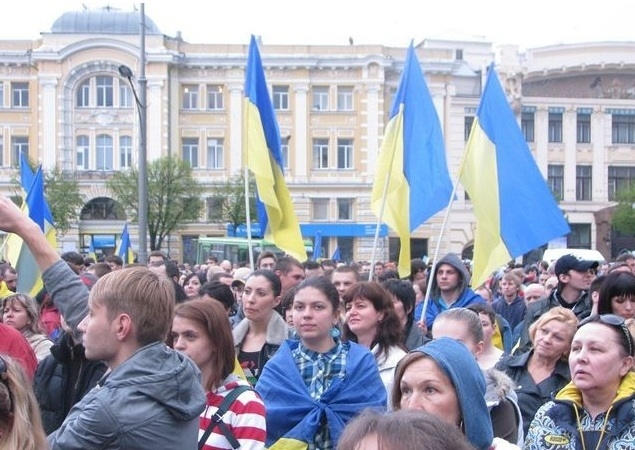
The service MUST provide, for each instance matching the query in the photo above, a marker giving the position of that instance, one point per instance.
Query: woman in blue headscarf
(443, 378)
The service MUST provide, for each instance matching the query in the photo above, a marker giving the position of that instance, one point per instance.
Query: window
(105, 91)
(344, 98)
(320, 153)
(1, 96)
(1, 151)
(555, 127)
(281, 97)
(19, 144)
(583, 128)
(20, 95)
(284, 151)
(83, 95)
(190, 151)
(458, 53)
(214, 97)
(583, 180)
(580, 236)
(320, 208)
(125, 95)
(345, 246)
(527, 125)
(190, 96)
(104, 152)
(555, 180)
(623, 129)
(125, 152)
(215, 154)
(620, 179)
(469, 120)
(214, 209)
(344, 153)
(344, 209)
(321, 98)
(82, 152)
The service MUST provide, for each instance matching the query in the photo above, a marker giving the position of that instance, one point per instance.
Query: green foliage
(624, 213)
(230, 197)
(174, 196)
(62, 194)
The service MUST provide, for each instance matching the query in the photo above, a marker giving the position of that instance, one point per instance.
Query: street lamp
(140, 101)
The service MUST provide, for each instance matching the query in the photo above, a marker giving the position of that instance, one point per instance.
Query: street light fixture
(140, 101)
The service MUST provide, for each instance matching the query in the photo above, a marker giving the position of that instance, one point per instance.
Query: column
(299, 136)
(48, 125)
(235, 146)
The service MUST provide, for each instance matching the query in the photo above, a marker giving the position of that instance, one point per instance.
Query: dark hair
(311, 265)
(100, 269)
(389, 330)
(405, 293)
(114, 259)
(396, 430)
(189, 276)
(615, 284)
(346, 269)
(213, 319)
(484, 308)
(219, 291)
(73, 257)
(265, 254)
(322, 284)
(417, 265)
(274, 280)
(286, 263)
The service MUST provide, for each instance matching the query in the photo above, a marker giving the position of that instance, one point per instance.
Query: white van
(553, 254)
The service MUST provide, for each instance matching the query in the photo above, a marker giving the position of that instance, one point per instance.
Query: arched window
(102, 208)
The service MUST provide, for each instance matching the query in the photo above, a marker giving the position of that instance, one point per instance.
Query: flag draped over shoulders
(293, 417)
(412, 182)
(276, 213)
(514, 208)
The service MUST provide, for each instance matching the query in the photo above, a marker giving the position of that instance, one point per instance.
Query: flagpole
(248, 219)
(381, 214)
(435, 256)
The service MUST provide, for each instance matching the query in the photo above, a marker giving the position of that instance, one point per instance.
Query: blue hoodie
(460, 366)
(467, 297)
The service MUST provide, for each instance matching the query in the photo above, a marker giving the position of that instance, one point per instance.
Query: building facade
(65, 104)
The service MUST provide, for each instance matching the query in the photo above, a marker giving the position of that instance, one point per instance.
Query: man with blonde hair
(152, 396)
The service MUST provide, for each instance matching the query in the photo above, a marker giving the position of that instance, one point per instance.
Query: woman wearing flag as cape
(312, 387)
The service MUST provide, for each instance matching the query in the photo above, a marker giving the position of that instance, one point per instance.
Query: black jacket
(62, 379)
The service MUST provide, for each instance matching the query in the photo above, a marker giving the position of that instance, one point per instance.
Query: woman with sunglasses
(597, 409)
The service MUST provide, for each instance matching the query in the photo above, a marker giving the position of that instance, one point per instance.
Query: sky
(527, 24)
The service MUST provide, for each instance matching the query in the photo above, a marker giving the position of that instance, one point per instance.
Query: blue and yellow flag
(264, 159)
(125, 249)
(412, 181)
(91, 250)
(17, 253)
(514, 208)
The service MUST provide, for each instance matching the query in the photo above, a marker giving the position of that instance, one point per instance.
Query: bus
(236, 249)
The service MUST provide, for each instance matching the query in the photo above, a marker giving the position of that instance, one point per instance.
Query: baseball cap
(569, 262)
(240, 275)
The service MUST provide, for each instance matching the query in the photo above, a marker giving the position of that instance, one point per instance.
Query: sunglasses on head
(614, 321)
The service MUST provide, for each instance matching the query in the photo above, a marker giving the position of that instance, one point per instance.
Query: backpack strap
(217, 418)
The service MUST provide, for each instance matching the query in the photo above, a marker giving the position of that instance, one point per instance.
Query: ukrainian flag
(18, 254)
(514, 208)
(264, 159)
(412, 181)
(125, 249)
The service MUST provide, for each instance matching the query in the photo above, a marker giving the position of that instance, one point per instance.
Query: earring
(335, 333)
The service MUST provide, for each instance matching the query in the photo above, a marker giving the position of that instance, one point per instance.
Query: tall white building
(63, 101)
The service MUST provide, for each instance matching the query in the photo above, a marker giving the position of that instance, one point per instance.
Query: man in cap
(574, 279)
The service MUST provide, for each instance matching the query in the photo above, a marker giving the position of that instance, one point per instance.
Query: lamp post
(140, 101)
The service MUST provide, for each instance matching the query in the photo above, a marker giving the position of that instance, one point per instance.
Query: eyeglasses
(616, 322)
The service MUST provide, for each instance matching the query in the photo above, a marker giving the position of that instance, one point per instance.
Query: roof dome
(107, 20)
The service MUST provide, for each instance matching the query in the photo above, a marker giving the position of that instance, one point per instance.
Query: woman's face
(488, 327)
(15, 315)
(623, 306)
(552, 340)
(191, 339)
(426, 387)
(314, 318)
(361, 316)
(192, 286)
(399, 309)
(259, 299)
(597, 360)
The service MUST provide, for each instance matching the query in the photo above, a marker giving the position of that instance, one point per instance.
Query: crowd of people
(316, 355)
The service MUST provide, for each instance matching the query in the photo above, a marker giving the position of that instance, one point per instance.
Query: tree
(230, 199)
(62, 194)
(624, 213)
(174, 196)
